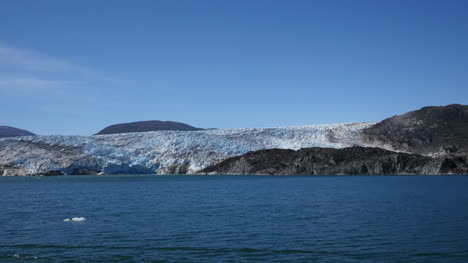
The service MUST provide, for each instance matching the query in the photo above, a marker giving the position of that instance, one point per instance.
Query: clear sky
(74, 67)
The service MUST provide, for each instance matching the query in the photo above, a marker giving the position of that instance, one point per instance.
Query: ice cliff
(164, 152)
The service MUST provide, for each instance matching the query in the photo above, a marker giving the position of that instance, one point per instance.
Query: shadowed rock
(7, 131)
(146, 126)
(84, 171)
(346, 161)
(428, 131)
(52, 173)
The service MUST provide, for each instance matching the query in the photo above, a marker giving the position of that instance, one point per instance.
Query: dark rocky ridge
(146, 126)
(428, 131)
(7, 131)
(346, 161)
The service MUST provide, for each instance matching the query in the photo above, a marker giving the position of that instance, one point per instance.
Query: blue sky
(74, 67)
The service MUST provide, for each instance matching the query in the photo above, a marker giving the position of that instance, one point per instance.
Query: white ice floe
(75, 219)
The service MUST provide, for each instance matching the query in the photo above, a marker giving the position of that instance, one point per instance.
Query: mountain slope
(327, 161)
(428, 131)
(7, 131)
(146, 126)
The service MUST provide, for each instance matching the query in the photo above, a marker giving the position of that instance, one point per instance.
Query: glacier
(165, 152)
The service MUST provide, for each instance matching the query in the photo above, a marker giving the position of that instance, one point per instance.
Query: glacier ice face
(165, 152)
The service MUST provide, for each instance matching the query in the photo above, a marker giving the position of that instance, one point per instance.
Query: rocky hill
(346, 161)
(146, 126)
(429, 131)
(7, 131)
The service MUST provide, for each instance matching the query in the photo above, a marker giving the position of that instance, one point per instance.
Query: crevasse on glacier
(166, 151)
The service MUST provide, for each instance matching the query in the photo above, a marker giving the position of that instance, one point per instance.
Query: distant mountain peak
(146, 126)
(8, 131)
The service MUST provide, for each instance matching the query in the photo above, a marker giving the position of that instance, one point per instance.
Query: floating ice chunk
(75, 219)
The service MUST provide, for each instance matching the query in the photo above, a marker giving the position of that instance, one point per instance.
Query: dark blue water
(234, 219)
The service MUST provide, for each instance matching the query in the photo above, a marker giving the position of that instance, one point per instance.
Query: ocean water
(234, 219)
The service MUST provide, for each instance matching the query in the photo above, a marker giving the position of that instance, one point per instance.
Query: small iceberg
(74, 219)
